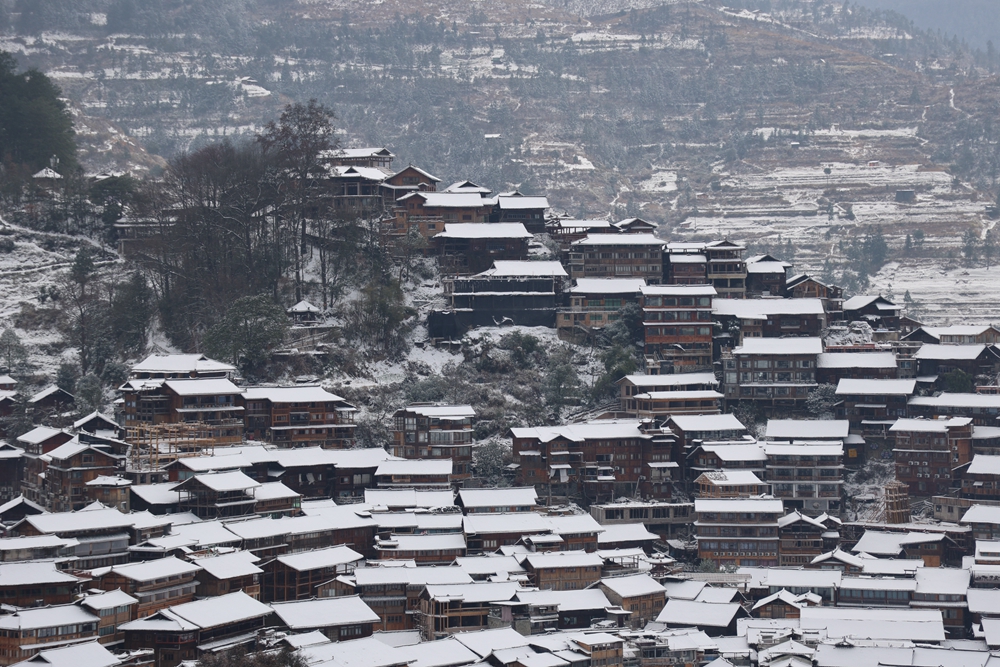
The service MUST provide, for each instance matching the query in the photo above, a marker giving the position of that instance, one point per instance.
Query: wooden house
(497, 501)
(738, 531)
(50, 400)
(113, 608)
(214, 495)
(338, 618)
(783, 605)
(429, 212)
(68, 470)
(873, 405)
(983, 409)
(105, 534)
(801, 286)
(637, 593)
(807, 475)
(876, 310)
(677, 328)
(539, 612)
(973, 360)
(422, 473)
(766, 276)
(595, 303)
(435, 432)
(566, 231)
(32, 584)
(465, 248)
(110, 491)
(519, 292)
(663, 518)
(956, 334)
(727, 271)
(299, 416)
(772, 373)
(635, 226)
(394, 592)
(25, 632)
(407, 180)
(617, 256)
(440, 549)
(156, 584)
(451, 608)
(306, 574)
(729, 484)
(800, 539)
(223, 573)
(832, 367)
(563, 570)
(927, 450)
(772, 318)
(515, 207)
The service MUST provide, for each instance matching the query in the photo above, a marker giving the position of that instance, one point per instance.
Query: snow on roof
(928, 425)
(442, 411)
(181, 363)
(160, 568)
(365, 152)
(521, 202)
(221, 482)
(203, 387)
(107, 480)
(985, 601)
(79, 521)
(883, 543)
(451, 200)
(324, 612)
(677, 258)
(983, 464)
(199, 535)
(601, 429)
(408, 498)
(274, 491)
(33, 542)
(748, 452)
(303, 307)
(38, 435)
(684, 590)
(448, 652)
(71, 448)
(690, 613)
(672, 380)
(762, 504)
(592, 598)
(981, 514)
(420, 171)
(679, 290)
(730, 478)
(222, 610)
(438, 467)
(487, 641)
(509, 497)
(33, 574)
(798, 449)
(419, 521)
(858, 302)
(320, 558)
(878, 584)
(955, 400)
(630, 586)
(608, 286)
(560, 559)
(619, 239)
(483, 230)
(949, 352)
(297, 394)
(767, 267)
(466, 186)
(108, 599)
(572, 524)
(942, 580)
(158, 494)
(229, 565)
(717, 595)
(856, 360)
(625, 532)
(779, 345)
(923, 625)
(851, 387)
(796, 429)
(507, 268)
(697, 423)
(46, 617)
(762, 577)
(93, 415)
(484, 591)
(488, 564)
(583, 224)
(414, 576)
(763, 308)
(47, 173)
(85, 654)
(442, 542)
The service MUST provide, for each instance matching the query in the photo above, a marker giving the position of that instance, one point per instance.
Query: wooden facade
(677, 325)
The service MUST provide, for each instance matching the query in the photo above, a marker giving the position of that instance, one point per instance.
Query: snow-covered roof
(79, 521)
(303, 307)
(274, 491)
(583, 224)
(503, 268)
(852, 387)
(561, 559)
(320, 558)
(624, 532)
(679, 290)
(511, 522)
(949, 352)
(150, 570)
(982, 514)
(796, 449)
(760, 505)
(697, 423)
(785, 346)
(690, 613)
(46, 617)
(47, 173)
(859, 302)
(796, 429)
(483, 230)
(431, 177)
(856, 360)
(38, 435)
(630, 586)
(108, 599)
(671, 380)
(594, 430)
(878, 584)
(928, 425)
(764, 308)
(448, 652)
(221, 482)
(85, 654)
(199, 535)
(608, 286)
(409, 498)
(442, 411)
(883, 543)
(415, 576)
(593, 598)
(486, 642)
(467, 186)
(942, 580)
(521, 202)
(357, 153)
(983, 464)
(229, 565)
(209, 612)
(39, 573)
(365, 652)
(488, 564)
(619, 239)
(324, 612)
(157, 494)
(730, 478)
(955, 400)
(509, 497)
(678, 258)
(767, 267)
(418, 521)
(181, 363)
(684, 590)
(438, 542)
(449, 200)
(203, 387)
(33, 542)
(924, 625)
(790, 578)
(112, 424)
(484, 591)
(985, 601)
(747, 452)
(433, 467)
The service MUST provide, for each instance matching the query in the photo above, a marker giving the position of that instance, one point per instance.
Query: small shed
(304, 312)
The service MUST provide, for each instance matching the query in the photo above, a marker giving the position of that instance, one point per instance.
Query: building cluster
(207, 515)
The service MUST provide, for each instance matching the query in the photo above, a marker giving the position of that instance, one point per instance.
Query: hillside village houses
(719, 510)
